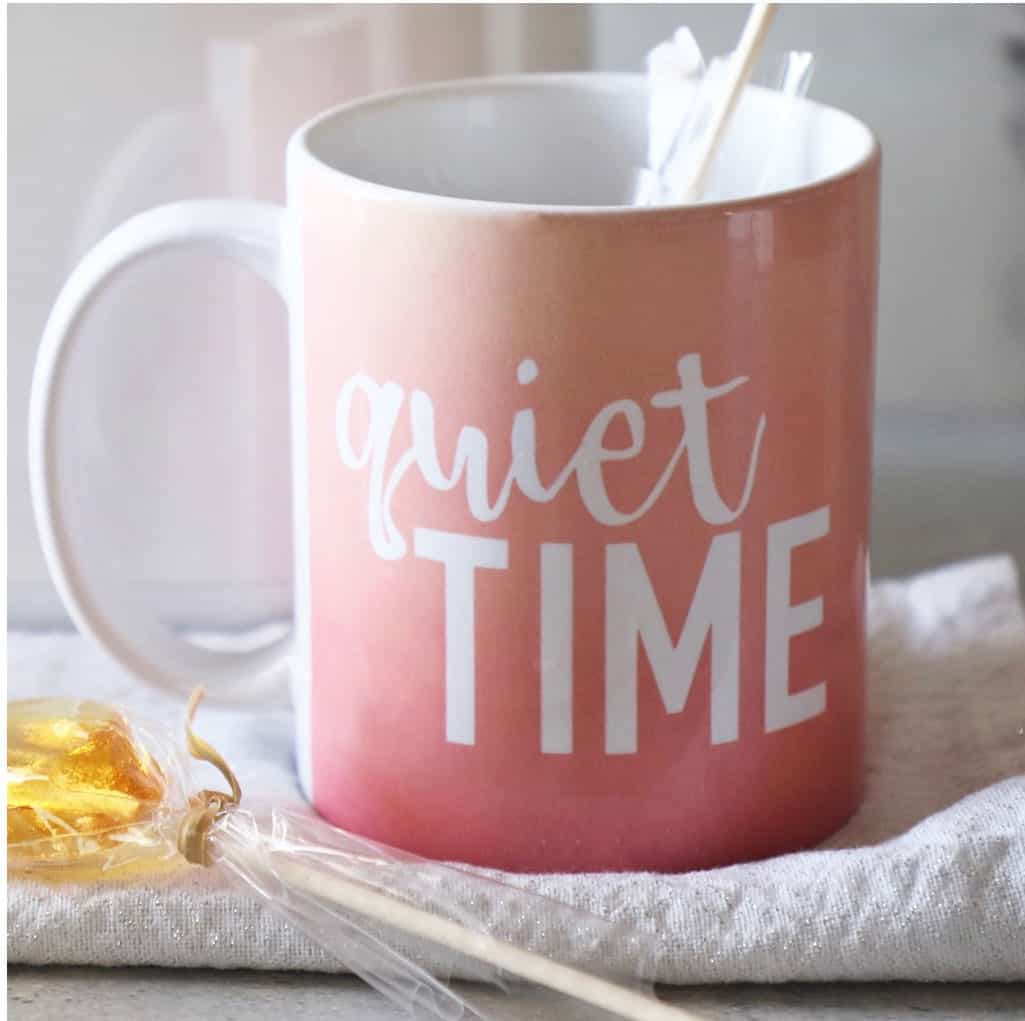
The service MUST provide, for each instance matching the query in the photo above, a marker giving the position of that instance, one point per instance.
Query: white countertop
(128, 994)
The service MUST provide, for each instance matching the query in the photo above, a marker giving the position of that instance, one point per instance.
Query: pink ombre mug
(581, 490)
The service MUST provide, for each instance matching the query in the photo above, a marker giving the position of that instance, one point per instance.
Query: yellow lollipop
(83, 790)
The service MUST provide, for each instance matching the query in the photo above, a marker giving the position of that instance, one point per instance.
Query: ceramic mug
(580, 489)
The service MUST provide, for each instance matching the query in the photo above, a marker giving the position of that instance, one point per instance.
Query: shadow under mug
(580, 489)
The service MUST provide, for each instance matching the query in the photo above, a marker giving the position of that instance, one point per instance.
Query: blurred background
(178, 448)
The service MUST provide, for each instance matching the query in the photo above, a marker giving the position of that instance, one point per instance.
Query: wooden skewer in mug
(741, 64)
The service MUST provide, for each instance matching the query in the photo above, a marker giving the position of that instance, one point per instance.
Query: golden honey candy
(79, 786)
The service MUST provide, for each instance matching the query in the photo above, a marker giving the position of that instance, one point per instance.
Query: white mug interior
(567, 140)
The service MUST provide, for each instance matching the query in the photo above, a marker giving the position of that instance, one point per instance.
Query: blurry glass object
(114, 109)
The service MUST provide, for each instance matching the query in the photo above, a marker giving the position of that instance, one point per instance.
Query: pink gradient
(449, 299)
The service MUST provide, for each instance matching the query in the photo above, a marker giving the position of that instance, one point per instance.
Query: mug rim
(299, 147)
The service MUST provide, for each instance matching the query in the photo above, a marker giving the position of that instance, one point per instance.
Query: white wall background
(177, 450)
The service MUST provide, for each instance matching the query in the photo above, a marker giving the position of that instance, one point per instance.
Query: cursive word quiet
(469, 466)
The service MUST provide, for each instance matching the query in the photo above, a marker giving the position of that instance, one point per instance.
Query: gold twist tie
(207, 806)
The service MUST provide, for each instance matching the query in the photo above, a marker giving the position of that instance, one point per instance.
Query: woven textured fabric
(927, 882)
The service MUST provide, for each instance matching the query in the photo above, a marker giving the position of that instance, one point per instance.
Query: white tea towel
(927, 882)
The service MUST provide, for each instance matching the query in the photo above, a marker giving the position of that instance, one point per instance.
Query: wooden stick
(414, 921)
(741, 64)
(581, 985)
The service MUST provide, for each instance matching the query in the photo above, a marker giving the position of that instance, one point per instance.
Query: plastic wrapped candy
(89, 795)
(684, 96)
(93, 794)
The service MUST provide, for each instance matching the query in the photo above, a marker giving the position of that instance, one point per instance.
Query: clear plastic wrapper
(94, 794)
(316, 875)
(673, 69)
(683, 94)
(787, 141)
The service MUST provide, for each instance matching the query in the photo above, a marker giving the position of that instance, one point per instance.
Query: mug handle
(252, 234)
